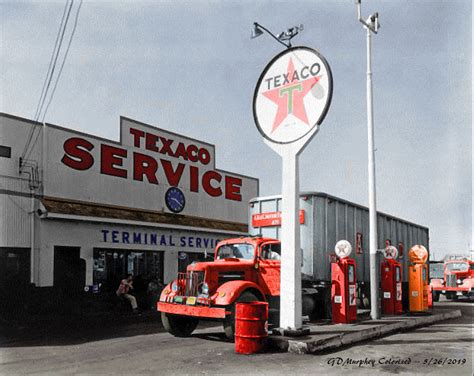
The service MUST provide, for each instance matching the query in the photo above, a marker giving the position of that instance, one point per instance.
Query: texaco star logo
(293, 95)
(289, 97)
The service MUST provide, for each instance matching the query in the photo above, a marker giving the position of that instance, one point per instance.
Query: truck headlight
(174, 286)
(459, 281)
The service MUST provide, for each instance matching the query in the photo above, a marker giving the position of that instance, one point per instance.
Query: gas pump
(343, 288)
(418, 279)
(391, 278)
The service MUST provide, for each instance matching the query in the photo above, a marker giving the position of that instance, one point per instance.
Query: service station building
(84, 211)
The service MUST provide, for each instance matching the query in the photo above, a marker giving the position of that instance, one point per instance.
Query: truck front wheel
(229, 322)
(179, 326)
(436, 296)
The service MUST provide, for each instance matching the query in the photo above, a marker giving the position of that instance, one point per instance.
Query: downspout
(32, 238)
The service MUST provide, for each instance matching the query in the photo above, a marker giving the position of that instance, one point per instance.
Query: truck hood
(222, 265)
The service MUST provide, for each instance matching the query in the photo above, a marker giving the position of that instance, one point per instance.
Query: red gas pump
(343, 289)
(391, 283)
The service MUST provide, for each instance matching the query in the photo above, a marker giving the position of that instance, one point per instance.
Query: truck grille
(188, 283)
(451, 280)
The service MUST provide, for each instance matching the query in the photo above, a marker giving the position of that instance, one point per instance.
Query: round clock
(175, 200)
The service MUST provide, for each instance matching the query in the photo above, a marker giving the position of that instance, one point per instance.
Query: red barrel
(251, 327)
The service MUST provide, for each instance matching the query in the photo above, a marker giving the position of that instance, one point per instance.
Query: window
(240, 251)
(5, 151)
(111, 265)
(397, 274)
(271, 251)
(457, 266)
(351, 273)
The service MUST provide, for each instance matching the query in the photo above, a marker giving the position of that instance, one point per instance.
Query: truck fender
(228, 292)
(436, 282)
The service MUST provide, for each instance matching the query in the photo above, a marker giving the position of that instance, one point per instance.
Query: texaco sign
(292, 95)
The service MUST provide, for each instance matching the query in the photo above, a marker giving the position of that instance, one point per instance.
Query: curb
(345, 339)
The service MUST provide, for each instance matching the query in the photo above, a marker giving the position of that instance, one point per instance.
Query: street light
(371, 24)
(287, 35)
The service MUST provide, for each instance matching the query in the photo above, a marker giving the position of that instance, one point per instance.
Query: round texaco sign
(292, 95)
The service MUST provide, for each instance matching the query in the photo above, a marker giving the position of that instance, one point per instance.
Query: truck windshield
(457, 266)
(240, 251)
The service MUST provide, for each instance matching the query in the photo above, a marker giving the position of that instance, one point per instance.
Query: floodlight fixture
(283, 38)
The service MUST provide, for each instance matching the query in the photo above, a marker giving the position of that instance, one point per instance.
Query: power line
(64, 60)
(35, 117)
(49, 75)
(51, 60)
(58, 76)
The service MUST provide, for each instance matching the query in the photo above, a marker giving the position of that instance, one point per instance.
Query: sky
(190, 67)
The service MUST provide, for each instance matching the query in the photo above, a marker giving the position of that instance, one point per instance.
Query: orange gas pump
(418, 279)
(343, 288)
(391, 278)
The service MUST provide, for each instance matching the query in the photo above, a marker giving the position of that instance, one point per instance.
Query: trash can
(251, 327)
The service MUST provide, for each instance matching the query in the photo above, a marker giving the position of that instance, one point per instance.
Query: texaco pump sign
(292, 95)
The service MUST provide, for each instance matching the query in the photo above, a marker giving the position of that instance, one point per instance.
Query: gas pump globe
(343, 249)
(391, 281)
(343, 287)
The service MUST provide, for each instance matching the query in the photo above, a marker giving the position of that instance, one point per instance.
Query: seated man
(123, 291)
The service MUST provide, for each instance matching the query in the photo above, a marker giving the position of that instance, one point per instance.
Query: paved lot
(144, 348)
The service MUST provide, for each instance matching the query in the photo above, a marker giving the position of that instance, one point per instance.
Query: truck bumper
(453, 289)
(195, 311)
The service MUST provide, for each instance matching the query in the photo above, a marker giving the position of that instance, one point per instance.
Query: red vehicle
(243, 270)
(458, 280)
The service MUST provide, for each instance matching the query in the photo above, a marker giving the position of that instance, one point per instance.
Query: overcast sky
(191, 67)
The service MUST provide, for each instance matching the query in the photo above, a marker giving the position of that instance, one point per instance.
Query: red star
(289, 97)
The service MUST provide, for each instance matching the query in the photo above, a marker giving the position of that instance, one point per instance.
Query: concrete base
(330, 337)
(304, 331)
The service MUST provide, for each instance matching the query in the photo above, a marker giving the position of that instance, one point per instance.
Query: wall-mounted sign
(292, 95)
(271, 219)
(158, 239)
(359, 249)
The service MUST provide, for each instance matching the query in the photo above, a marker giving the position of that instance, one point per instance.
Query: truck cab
(458, 280)
(243, 270)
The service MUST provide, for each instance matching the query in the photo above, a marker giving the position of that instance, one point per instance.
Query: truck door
(269, 268)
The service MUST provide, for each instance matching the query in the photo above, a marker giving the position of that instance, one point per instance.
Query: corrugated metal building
(326, 219)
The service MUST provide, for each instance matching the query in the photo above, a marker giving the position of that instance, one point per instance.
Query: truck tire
(179, 326)
(436, 296)
(229, 321)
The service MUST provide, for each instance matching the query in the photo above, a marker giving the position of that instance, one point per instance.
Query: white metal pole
(374, 277)
(290, 298)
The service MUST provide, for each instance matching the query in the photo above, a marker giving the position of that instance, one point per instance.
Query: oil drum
(251, 327)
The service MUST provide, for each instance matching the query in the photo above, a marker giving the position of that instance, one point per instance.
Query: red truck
(243, 270)
(458, 280)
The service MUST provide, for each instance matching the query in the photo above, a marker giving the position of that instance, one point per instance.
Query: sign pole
(291, 100)
(291, 306)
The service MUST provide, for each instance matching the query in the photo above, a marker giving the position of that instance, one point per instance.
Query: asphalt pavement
(143, 347)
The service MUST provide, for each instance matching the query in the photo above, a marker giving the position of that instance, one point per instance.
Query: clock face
(175, 200)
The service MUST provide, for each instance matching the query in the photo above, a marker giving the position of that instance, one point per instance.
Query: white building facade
(85, 210)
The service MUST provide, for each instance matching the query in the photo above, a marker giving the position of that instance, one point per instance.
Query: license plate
(191, 300)
(459, 293)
